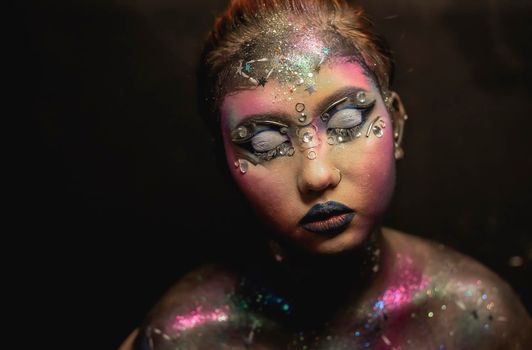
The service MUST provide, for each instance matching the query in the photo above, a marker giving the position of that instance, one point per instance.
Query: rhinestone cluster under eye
(284, 149)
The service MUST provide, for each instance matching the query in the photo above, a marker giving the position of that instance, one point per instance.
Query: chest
(245, 329)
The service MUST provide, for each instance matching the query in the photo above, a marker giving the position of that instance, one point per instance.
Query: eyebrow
(286, 119)
(331, 100)
(278, 117)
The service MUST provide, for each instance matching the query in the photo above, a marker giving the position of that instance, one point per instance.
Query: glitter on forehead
(288, 51)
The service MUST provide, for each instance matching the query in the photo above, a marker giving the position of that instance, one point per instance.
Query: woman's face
(317, 162)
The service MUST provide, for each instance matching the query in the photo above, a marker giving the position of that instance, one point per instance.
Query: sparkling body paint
(423, 297)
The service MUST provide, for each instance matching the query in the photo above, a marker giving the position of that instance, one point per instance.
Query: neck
(321, 283)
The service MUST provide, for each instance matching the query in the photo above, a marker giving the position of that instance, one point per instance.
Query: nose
(317, 175)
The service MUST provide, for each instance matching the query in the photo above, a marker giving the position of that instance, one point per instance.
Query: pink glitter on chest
(198, 317)
(408, 281)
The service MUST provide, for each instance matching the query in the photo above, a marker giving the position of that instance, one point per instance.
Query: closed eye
(267, 140)
(345, 119)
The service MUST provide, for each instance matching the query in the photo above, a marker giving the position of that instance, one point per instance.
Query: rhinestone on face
(243, 164)
(311, 155)
(340, 139)
(377, 131)
(300, 107)
(331, 140)
(302, 118)
(378, 128)
(242, 132)
(307, 137)
(361, 97)
(291, 151)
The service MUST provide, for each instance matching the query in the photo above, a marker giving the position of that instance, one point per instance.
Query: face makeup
(329, 218)
(300, 167)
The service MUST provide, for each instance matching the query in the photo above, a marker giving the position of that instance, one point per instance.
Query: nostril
(318, 178)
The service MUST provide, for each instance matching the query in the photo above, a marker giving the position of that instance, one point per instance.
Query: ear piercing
(398, 137)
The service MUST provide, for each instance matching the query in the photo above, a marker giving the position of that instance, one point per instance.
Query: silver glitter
(386, 340)
(460, 304)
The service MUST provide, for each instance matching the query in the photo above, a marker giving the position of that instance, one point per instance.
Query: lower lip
(332, 226)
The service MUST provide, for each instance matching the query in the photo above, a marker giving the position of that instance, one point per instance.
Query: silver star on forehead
(311, 88)
(239, 68)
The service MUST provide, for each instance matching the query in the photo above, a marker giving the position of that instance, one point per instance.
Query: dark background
(114, 165)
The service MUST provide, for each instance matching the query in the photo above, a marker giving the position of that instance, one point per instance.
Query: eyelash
(284, 149)
(341, 135)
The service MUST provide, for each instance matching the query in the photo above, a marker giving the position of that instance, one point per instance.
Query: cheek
(268, 190)
(373, 175)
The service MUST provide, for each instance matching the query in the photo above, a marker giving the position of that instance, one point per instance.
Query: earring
(398, 138)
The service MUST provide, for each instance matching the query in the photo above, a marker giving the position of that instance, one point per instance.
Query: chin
(346, 241)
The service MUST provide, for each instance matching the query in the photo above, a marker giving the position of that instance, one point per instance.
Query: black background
(114, 164)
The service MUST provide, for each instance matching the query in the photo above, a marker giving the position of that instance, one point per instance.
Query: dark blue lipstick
(329, 218)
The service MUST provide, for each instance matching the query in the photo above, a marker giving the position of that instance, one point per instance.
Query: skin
(284, 189)
(408, 293)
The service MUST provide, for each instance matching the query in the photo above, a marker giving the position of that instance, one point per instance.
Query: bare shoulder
(211, 284)
(205, 310)
(199, 302)
(463, 297)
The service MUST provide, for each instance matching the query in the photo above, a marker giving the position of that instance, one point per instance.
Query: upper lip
(324, 211)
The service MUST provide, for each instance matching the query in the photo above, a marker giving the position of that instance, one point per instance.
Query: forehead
(281, 97)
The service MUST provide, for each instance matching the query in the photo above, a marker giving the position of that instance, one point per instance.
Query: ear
(399, 117)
